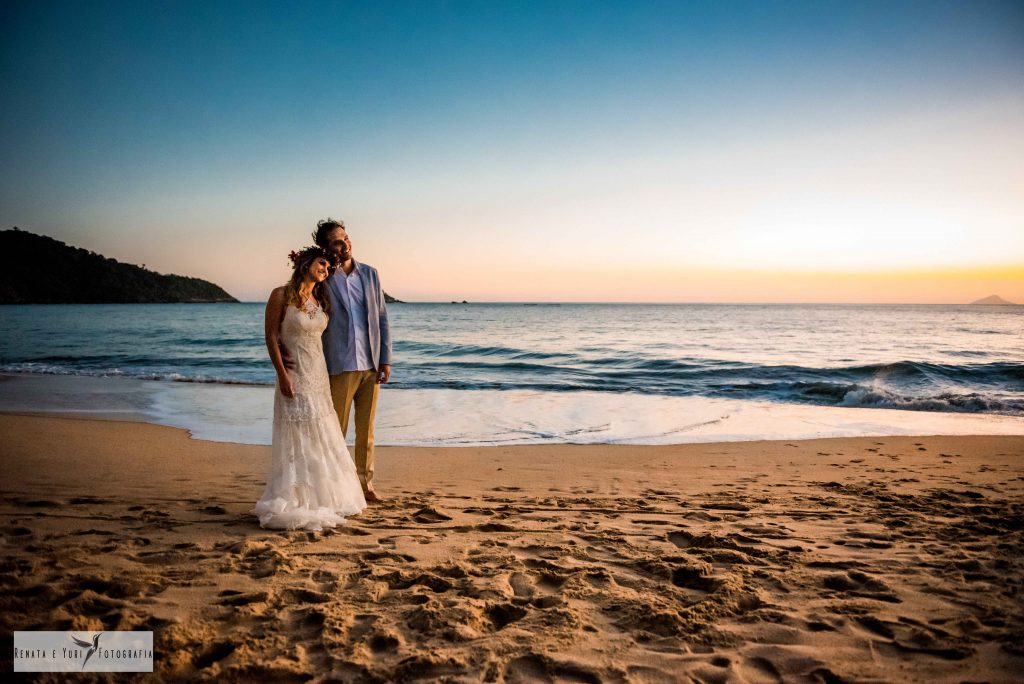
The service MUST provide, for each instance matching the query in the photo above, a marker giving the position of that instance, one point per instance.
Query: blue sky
(470, 146)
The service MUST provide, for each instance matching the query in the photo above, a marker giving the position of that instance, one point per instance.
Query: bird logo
(85, 644)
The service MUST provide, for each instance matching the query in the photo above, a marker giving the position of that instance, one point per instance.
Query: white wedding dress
(313, 482)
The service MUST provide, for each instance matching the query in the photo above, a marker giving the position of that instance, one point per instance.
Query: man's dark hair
(324, 228)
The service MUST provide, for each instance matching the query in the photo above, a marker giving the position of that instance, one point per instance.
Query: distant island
(36, 269)
(993, 300)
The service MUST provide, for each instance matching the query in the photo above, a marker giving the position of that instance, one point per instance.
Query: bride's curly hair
(301, 261)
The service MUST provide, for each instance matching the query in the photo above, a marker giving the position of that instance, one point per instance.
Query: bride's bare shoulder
(277, 298)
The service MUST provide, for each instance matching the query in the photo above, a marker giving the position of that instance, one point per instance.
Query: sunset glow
(685, 152)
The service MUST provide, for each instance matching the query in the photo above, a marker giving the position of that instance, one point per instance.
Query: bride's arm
(276, 306)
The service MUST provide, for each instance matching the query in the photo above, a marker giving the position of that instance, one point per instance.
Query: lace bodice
(300, 333)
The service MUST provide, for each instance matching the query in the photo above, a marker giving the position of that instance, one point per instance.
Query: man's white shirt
(357, 357)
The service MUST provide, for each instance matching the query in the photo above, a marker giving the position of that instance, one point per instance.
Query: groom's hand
(384, 373)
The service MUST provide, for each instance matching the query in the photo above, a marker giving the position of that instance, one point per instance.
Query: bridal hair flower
(313, 252)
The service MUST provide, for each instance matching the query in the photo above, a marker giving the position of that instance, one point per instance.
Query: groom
(357, 344)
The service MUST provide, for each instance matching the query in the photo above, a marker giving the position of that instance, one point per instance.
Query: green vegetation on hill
(35, 269)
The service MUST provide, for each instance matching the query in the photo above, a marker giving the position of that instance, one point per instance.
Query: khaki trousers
(359, 388)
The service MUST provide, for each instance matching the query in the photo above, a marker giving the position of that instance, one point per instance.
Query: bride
(313, 482)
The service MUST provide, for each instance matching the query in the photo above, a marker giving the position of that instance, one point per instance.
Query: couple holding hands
(328, 337)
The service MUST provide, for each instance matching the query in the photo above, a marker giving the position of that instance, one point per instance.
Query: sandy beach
(855, 559)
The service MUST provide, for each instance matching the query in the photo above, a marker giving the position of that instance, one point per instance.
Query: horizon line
(678, 303)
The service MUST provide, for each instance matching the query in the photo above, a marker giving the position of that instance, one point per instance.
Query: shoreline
(471, 418)
(838, 559)
(141, 419)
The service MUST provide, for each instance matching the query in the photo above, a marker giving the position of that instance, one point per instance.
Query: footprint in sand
(694, 576)
(214, 653)
(913, 636)
(230, 597)
(523, 586)
(759, 669)
(820, 626)
(384, 642)
(548, 578)
(490, 527)
(864, 538)
(376, 556)
(306, 619)
(256, 559)
(361, 626)
(535, 667)
(861, 585)
(325, 579)
(430, 515)
(293, 595)
(431, 668)
(502, 615)
(540, 551)
(398, 580)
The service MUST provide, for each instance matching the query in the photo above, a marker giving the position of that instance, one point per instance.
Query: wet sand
(854, 559)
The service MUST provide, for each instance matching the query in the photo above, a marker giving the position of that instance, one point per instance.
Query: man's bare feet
(371, 497)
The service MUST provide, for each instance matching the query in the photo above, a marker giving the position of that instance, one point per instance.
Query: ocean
(582, 366)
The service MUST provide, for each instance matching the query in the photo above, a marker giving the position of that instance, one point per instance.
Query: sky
(531, 151)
